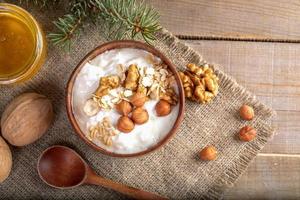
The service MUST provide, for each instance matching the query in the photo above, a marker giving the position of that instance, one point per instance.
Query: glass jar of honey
(22, 45)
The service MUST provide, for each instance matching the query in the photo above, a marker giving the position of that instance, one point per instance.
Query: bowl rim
(119, 44)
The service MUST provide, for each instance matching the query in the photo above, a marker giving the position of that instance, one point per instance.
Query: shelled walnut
(142, 89)
(170, 96)
(188, 84)
(200, 83)
(106, 84)
(121, 72)
(131, 81)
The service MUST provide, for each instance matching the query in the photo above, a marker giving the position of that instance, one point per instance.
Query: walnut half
(131, 81)
(106, 84)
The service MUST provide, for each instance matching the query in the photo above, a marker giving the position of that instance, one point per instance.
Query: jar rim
(38, 35)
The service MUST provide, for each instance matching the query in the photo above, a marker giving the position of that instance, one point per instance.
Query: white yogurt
(143, 136)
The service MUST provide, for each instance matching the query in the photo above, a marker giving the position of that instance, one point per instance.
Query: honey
(22, 45)
(17, 45)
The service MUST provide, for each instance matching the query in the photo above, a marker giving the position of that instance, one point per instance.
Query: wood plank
(269, 70)
(269, 177)
(287, 139)
(231, 18)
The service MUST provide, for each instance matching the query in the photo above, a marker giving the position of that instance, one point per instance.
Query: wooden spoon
(61, 167)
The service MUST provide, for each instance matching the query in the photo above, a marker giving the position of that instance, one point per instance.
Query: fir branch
(122, 18)
(67, 27)
(129, 18)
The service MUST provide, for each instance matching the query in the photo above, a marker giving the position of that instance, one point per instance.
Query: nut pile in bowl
(125, 100)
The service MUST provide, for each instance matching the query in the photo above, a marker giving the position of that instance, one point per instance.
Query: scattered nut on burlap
(175, 170)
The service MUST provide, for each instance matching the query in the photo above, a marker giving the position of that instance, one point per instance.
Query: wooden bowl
(117, 45)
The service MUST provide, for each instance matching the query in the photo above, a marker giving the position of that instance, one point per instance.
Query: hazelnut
(139, 115)
(124, 108)
(208, 153)
(246, 112)
(125, 124)
(138, 99)
(247, 133)
(163, 108)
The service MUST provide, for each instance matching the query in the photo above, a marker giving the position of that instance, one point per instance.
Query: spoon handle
(124, 189)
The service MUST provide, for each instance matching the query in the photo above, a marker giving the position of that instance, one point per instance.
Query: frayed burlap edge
(230, 175)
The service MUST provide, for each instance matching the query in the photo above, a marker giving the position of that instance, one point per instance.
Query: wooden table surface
(258, 43)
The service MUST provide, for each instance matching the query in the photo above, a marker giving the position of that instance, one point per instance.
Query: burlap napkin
(173, 171)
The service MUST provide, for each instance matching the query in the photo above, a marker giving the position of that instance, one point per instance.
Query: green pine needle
(121, 18)
(67, 28)
(127, 18)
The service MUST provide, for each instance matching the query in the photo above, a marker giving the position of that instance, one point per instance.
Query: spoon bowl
(61, 167)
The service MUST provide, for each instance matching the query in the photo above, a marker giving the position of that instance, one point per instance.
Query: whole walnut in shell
(26, 119)
(5, 160)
